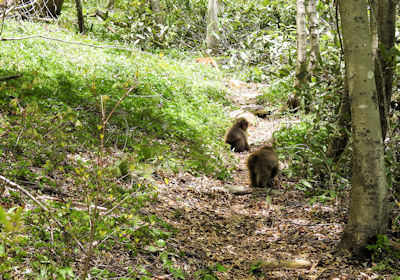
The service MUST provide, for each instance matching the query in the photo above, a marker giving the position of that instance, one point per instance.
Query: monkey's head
(242, 123)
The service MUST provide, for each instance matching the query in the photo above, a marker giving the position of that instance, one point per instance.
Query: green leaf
(78, 123)
(152, 249)
(3, 218)
(220, 267)
(306, 183)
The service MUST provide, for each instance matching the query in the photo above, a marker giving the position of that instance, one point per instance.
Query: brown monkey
(263, 167)
(207, 60)
(236, 136)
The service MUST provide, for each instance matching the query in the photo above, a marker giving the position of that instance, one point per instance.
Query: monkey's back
(263, 166)
(237, 138)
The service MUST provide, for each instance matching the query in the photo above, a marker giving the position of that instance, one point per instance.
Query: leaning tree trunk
(212, 26)
(314, 35)
(368, 192)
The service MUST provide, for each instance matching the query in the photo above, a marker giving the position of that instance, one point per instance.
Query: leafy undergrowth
(175, 103)
(50, 135)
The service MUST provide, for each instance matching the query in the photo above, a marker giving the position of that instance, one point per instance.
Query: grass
(49, 142)
(175, 102)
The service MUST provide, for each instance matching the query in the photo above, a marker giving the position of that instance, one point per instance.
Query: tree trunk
(156, 8)
(341, 137)
(110, 4)
(81, 23)
(212, 26)
(53, 7)
(368, 193)
(301, 62)
(314, 35)
(383, 32)
(383, 21)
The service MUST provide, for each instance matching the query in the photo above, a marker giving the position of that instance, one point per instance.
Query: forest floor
(228, 235)
(239, 231)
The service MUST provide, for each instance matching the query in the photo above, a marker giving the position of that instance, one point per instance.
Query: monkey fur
(263, 166)
(236, 136)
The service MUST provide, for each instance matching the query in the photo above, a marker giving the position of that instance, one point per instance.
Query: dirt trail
(235, 231)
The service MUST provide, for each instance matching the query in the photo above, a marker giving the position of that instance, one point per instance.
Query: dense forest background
(112, 159)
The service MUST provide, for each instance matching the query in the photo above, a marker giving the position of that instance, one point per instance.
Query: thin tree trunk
(156, 8)
(368, 192)
(301, 62)
(383, 20)
(110, 4)
(81, 23)
(314, 35)
(212, 26)
(340, 139)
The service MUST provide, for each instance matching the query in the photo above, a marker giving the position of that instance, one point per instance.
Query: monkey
(263, 166)
(236, 136)
(207, 61)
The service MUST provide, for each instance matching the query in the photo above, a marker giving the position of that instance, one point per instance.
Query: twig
(23, 190)
(119, 101)
(122, 201)
(10, 77)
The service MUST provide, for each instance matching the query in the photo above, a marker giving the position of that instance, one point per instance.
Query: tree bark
(110, 4)
(156, 8)
(301, 61)
(368, 193)
(212, 26)
(383, 23)
(81, 23)
(53, 7)
(314, 35)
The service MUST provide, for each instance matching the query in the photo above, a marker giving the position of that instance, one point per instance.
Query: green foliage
(49, 135)
(13, 240)
(209, 273)
(255, 36)
(277, 93)
(171, 106)
(304, 146)
(385, 258)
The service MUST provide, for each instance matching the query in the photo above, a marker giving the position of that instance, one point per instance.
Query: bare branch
(23, 190)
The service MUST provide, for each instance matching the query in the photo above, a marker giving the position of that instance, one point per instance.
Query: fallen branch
(70, 42)
(239, 190)
(274, 263)
(28, 194)
(395, 246)
(10, 77)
